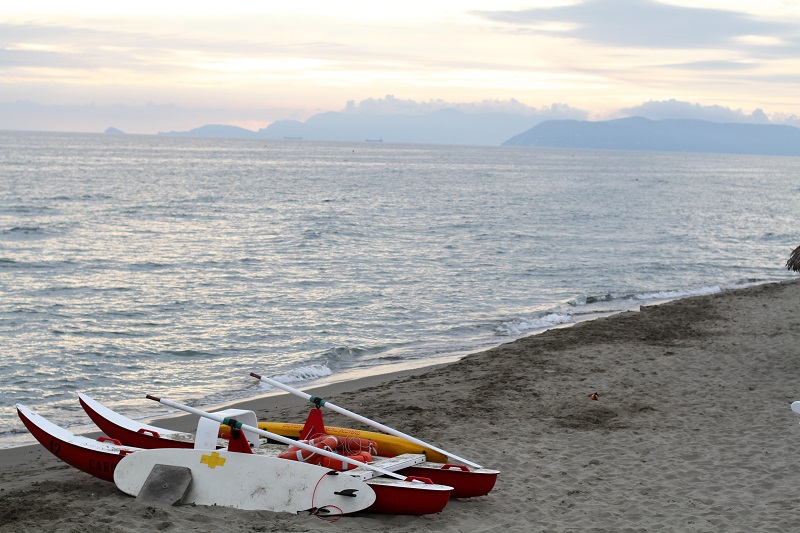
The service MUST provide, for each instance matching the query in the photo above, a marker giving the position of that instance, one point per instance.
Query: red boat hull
(98, 463)
(465, 483)
(141, 439)
(401, 500)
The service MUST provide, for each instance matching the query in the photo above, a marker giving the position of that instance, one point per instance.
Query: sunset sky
(249, 63)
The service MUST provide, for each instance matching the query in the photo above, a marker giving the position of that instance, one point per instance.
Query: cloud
(717, 66)
(389, 105)
(674, 109)
(135, 53)
(64, 48)
(784, 118)
(649, 24)
(36, 58)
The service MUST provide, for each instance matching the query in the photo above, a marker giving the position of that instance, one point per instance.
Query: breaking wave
(519, 326)
(303, 373)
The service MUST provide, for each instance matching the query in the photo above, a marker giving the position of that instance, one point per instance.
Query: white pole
(286, 440)
(320, 402)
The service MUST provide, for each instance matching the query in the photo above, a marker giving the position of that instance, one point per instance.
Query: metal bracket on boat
(347, 492)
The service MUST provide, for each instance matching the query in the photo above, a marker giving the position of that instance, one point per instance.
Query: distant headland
(672, 135)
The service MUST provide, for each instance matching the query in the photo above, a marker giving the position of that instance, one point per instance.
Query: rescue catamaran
(467, 482)
(367, 487)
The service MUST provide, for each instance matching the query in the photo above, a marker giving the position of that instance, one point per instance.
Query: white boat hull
(247, 481)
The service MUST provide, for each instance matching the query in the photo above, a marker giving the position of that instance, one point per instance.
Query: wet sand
(692, 431)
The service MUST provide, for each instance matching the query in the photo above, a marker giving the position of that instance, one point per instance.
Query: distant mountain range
(672, 135)
(450, 126)
(446, 126)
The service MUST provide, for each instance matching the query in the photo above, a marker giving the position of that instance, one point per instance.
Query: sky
(148, 66)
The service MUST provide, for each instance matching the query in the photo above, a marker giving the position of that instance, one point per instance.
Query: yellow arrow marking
(213, 460)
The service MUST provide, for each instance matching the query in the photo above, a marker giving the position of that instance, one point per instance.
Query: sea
(173, 266)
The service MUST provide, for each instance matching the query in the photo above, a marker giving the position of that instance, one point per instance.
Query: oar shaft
(362, 419)
(280, 438)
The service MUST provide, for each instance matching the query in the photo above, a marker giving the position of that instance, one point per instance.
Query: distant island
(672, 135)
(114, 131)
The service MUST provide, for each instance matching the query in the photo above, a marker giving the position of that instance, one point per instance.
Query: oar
(238, 425)
(321, 402)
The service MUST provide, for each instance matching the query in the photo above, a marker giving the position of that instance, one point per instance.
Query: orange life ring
(341, 466)
(355, 448)
(355, 445)
(296, 453)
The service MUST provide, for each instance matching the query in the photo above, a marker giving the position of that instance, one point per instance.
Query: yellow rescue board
(387, 444)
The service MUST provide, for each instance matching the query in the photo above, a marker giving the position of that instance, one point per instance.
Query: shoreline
(354, 376)
(396, 368)
(692, 431)
(322, 387)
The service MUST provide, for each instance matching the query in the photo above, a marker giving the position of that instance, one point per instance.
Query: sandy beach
(692, 431)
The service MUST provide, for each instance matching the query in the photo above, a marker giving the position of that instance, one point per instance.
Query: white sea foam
(676, 294)
(304, 373)
(522, 325)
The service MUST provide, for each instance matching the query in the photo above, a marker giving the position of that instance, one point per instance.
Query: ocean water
(133, 265)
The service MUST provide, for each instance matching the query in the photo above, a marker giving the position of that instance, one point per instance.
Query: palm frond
(794, 260)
